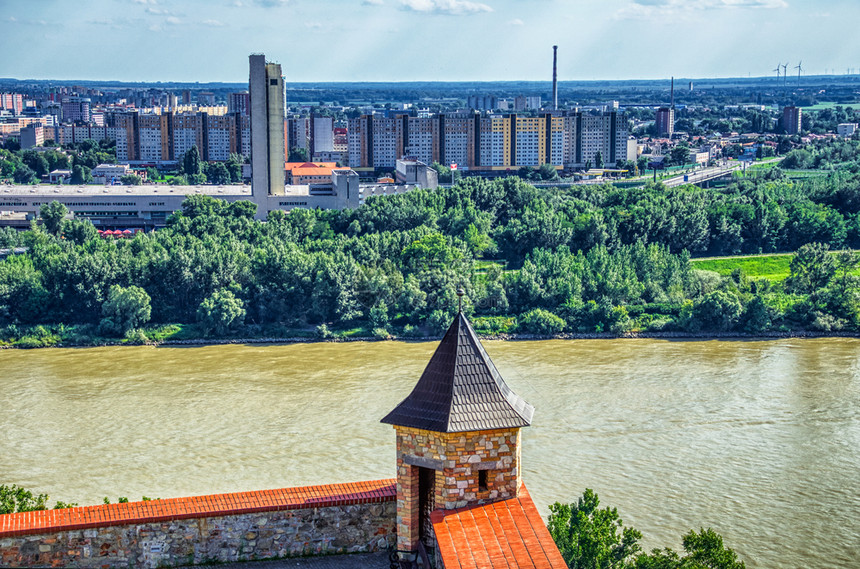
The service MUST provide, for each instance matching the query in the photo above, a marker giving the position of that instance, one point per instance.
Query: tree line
(585, 259)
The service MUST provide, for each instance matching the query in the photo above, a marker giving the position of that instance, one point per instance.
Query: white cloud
(372, 2)
(173, 20)
(649, 8)
(313, 25)
(450, 7)
(271, 3)
(516, 22)
(213, 23)
(150, 2)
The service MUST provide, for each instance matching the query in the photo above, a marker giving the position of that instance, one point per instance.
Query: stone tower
(458, 436)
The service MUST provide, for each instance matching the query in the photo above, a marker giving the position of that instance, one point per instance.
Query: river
(759, 440)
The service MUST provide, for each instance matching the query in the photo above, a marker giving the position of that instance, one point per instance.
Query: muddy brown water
(759, 440)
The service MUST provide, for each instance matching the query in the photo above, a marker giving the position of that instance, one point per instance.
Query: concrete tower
(554, 78)
(266, 91)
(458, 437)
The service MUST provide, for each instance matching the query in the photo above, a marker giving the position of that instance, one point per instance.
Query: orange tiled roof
(289, 166)
(296, 172)
(51, 521)
(508, 534)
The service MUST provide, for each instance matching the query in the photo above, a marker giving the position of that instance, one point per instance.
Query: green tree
(598, 160)
(125, 309)
(191, 162)
(719, 310)
(548, 172)
(79, 231)
(24, 175)
(52, 215)
(298, 154)
(221, 312)
(217, 173)
(131, 180)
(37, 162)
(592, 538)
(811, 268)
(540, 321)
(680, 154)
(81, 175)
(14, 499)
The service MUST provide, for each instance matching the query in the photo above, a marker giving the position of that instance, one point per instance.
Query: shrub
(222, 312)
(381, 334)
(136, 337)
(125, 309)
(540, 321)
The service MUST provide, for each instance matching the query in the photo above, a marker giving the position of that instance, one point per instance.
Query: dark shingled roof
(461, 390)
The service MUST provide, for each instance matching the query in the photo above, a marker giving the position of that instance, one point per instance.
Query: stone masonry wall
(299, 531)
(457, 459)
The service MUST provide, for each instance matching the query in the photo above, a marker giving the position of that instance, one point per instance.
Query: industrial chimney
(673, 92)
(554, 78)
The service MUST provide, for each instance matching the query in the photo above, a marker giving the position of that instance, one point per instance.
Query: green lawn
(770, 267)
(831, 105)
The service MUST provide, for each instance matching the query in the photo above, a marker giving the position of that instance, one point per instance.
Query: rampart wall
(289, 522)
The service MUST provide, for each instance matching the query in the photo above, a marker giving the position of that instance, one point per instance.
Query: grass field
(770, 267)
(830, 105)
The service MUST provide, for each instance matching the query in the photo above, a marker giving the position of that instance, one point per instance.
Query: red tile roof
(51, 521)
(508, 534)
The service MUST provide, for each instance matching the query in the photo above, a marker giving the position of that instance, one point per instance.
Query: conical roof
(461, 390)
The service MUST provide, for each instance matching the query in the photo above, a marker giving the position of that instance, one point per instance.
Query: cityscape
(336, 155)
(429, 284)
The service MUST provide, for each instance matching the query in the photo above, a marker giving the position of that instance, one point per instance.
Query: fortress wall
(313, 520)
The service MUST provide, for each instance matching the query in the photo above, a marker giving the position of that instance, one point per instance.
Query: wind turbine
(784, 74)
(777, 73)
(799, 69)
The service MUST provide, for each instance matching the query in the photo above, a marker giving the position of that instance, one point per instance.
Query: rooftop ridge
(497, 535)
(212, 505)
(461, 390)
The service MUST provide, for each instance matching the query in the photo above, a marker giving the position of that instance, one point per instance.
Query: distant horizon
(791, 82)
(427, 40)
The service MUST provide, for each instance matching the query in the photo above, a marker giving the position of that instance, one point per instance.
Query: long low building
(149, 206)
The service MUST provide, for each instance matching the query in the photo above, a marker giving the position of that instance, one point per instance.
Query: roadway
(703, 175)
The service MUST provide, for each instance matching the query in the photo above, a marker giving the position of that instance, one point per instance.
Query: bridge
(702, 176)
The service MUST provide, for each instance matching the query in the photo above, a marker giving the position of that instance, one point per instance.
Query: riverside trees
(586, 259)
(589, 537)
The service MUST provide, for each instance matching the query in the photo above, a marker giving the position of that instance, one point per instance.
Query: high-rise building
(665, 121)
(266, 89)
(792, 120)
(490, 142)
(187, 132)
(239, 103)
(76, 109)
(12, 102)
(322, 135)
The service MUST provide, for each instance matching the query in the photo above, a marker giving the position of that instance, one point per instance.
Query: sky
(425, 40)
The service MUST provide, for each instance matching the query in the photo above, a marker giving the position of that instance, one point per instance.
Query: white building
(847, 129)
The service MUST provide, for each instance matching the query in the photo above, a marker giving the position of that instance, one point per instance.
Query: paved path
(353, 561)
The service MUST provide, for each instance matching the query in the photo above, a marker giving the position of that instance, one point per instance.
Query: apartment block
(76, 109)
(489, 142)
(792, 119)
(13, 102)
(665, 121)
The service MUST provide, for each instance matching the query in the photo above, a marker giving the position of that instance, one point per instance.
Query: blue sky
(404, 40)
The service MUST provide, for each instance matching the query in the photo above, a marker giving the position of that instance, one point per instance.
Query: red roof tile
(51, 521)
(509, 534)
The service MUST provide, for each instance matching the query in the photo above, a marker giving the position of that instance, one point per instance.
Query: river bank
(775, 335)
